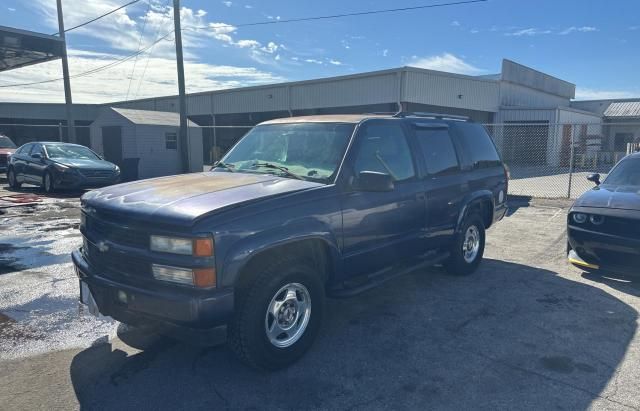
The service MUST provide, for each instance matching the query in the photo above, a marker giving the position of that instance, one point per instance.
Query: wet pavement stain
(9, 264)
(564, 365)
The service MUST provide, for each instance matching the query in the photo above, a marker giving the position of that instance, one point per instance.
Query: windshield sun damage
(311, 151)
(70, 152)
(627, 173)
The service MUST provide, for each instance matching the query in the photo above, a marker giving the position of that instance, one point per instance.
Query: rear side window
(438, 150)
(479, 146)
(383, 148)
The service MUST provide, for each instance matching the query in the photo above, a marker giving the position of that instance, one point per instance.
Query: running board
(366, 282)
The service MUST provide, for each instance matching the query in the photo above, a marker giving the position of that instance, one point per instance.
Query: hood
(96, 164)
(7, 150)
(610, 196)
(183, 198)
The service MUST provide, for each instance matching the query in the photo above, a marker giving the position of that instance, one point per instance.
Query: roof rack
(438, 116)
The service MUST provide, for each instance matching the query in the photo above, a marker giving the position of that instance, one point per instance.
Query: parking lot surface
(527, 331)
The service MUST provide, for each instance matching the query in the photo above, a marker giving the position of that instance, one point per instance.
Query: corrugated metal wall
(442, 89)
(517, 73)
(524, 115)
(516, 95)
(44, 111)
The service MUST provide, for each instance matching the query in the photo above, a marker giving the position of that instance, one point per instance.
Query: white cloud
(159, 79)
(227, 3)
(248, 6)
(455, 23)
(532, 31)
(584, 93)
(11, 9)
(583, 29)
(385, 52)
(313, 61)
(474, 31)
(634, 28)
(335, 62)
(445, 62)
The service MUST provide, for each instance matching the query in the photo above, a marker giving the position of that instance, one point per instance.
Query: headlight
(579, 218)
(117, 170)
(596, 219)
(61, 167)
(199, 247)
(199, 277)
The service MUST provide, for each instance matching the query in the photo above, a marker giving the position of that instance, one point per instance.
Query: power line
(97, 18)
(95, 70)
(146, 64)
(126, 58)
(335, 16)
(133, 70)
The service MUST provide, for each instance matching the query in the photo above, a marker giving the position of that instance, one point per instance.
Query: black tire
(13, 181)
(48, 186)
(460, 263)
(247, 333)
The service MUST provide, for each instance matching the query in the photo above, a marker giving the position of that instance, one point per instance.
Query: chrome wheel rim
(471, 244)
(47, 182)
(12, 178)
(288, 315)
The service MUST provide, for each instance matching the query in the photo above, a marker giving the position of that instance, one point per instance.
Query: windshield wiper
(229, 167)
(276, 167)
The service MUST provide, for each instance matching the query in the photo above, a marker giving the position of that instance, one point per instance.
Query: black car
(301, 208)
(60, 165)
(604, 223)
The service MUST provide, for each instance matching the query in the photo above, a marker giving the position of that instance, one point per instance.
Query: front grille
(96, 173)
(115, 233)
(112, 262)
(4, 159)
(618, 226)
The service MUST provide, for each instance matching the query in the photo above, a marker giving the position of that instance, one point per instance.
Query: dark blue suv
(299, 209)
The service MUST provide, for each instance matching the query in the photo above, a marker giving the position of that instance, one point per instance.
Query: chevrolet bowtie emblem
(102, 247)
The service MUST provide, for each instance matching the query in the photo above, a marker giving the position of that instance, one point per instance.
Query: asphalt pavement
(527, 331)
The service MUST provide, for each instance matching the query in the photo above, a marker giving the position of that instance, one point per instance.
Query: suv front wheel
(278, 317)
(468, 247)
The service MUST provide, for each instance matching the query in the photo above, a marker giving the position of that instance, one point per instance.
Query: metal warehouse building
(517, 95)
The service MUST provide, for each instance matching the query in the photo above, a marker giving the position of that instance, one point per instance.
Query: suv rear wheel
(48, 183)
(279, 316)
(468, 247)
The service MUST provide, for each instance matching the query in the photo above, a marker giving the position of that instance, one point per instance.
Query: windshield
(627, 173)
(70, 152)
(5, 142)
(311, 151)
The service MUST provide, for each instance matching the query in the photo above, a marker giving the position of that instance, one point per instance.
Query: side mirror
(594, 178)
(36, 156)
(374, 181)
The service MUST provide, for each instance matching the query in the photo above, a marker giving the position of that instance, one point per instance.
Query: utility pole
(71, 132)
(182, 135)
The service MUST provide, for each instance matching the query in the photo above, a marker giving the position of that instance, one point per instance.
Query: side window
(36, 148)
(26, 149)
(478, 145)
(438, 150)
(383, 148)
(171, 141)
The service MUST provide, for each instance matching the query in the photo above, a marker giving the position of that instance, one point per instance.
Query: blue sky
(594, 44)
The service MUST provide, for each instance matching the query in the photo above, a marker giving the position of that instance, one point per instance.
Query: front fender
(244, 250)
(470, 201)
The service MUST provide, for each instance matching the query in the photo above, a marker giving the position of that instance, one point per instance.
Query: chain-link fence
(545, 159)
(553, 160)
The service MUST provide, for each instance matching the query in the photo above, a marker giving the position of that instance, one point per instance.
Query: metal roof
(20, 48)
(623, 109)
(327, 118)
(152, 118)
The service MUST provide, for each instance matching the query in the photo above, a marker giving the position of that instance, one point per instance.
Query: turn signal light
(204, 277)
(203, 247)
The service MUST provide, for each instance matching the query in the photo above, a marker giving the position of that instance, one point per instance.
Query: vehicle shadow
(508, 336)
(628, 284)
